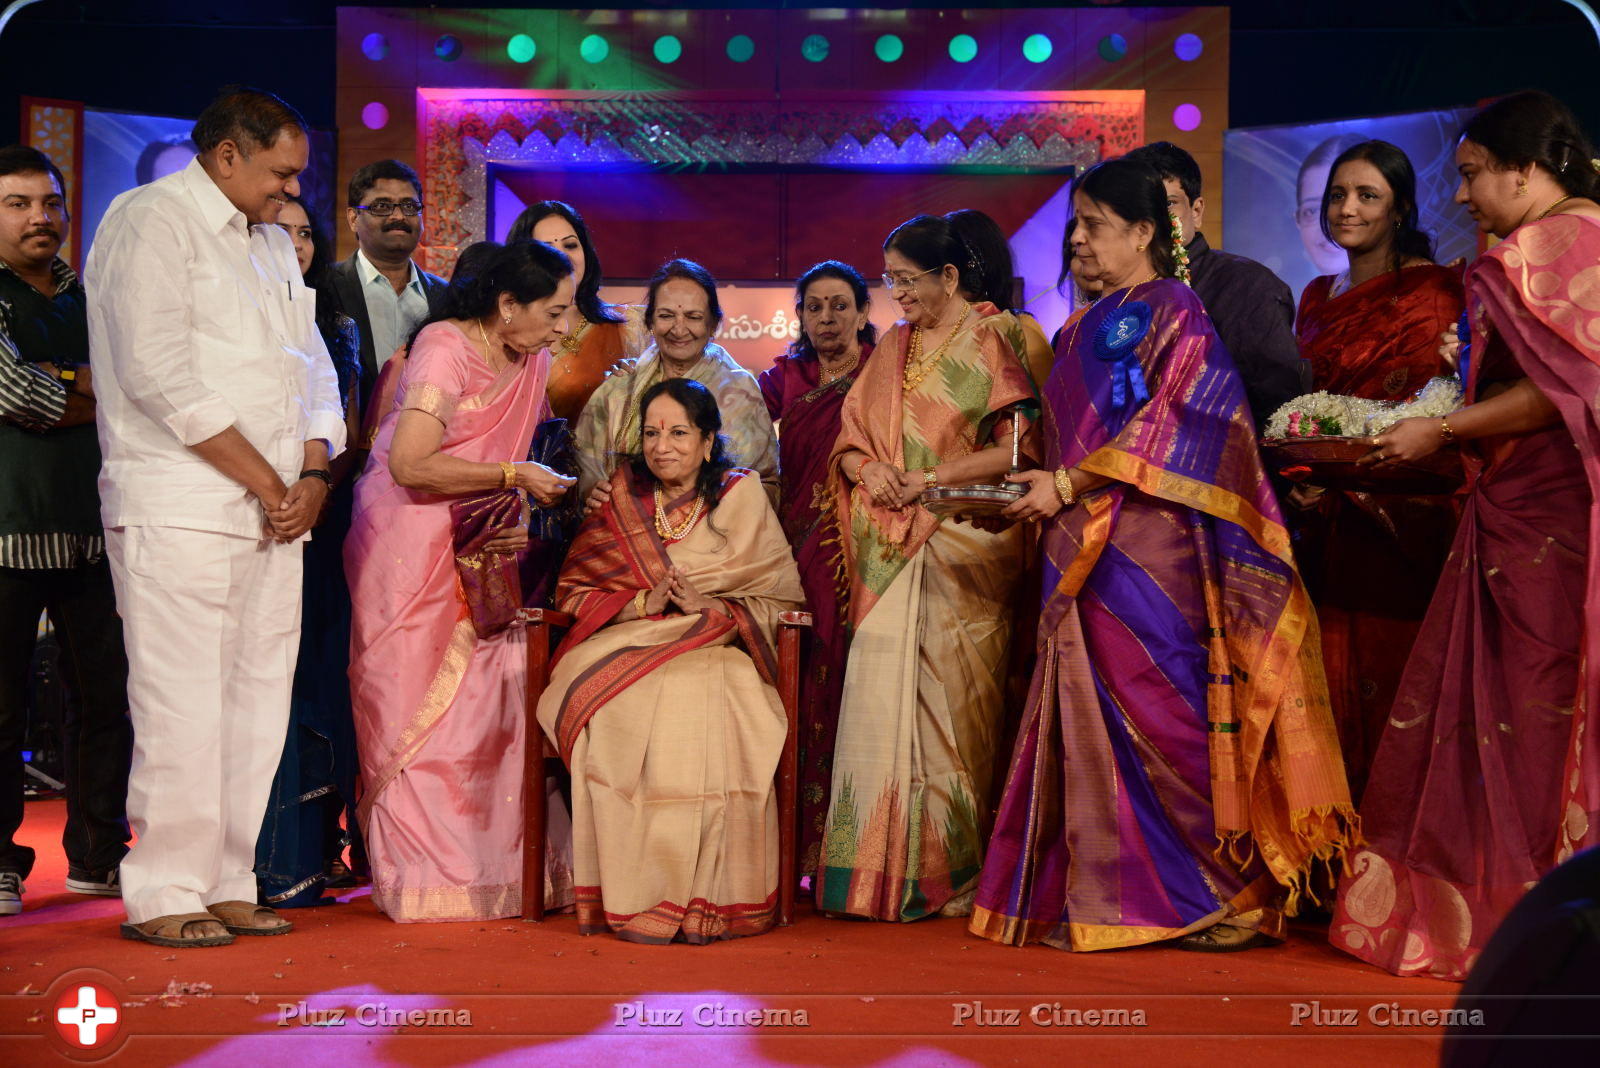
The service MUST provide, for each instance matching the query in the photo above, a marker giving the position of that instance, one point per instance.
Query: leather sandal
(170, 931)
(1206, 941)
(239, 917)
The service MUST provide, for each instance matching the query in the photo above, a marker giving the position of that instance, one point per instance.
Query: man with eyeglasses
(379, 287)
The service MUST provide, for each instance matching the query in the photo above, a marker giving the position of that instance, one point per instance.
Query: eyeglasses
(382, 209)
(891, 282)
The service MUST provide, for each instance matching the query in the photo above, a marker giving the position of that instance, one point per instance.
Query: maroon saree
(809, 415)
(1487, 776)
(1370, 560)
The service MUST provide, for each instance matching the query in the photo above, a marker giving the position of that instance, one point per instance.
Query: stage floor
(349, 986)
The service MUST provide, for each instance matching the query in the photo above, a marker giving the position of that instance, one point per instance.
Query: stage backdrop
(1274, 177)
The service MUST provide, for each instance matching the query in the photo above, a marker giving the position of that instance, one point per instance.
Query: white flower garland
(1324, 414)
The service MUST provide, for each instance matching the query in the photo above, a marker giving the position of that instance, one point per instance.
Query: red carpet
(867, 994)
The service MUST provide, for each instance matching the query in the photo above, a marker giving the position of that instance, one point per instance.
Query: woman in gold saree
(929, 601)
(663, 700)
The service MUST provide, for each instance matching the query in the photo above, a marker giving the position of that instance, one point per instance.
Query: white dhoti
(212, 624)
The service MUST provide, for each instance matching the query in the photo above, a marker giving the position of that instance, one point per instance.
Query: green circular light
(741, 49)
(963, 48)
(594, 49)
(668, 49)
(815, 48)
(889, 48)
(521, 48)
(1037, 48)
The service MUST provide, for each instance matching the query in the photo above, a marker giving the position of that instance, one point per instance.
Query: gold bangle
(1069, 496)
(1447, 431)
(508, 474)
(930, 479)
(638, 603)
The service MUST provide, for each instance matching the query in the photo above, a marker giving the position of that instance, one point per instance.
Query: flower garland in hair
(1180, 254)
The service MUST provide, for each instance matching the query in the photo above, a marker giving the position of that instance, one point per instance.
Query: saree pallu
(930, 620)
(808, 415)
(1176, 765)
(577, 372)
(671, 730)
(608, 430)
(1370, 560)
(439, 713)
(1488, 775)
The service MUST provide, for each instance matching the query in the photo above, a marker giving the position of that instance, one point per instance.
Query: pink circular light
(374, 116)
(1186, 117)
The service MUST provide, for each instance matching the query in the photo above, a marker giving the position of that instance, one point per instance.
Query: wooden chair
(540, 624)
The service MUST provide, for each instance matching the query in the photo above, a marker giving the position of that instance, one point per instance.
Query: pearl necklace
(664, 528)
(918, 368)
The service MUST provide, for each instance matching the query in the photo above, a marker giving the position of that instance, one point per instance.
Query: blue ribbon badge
(1464, 359)
(1119, 335)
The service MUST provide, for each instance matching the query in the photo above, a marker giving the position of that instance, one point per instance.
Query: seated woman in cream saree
(662, 701)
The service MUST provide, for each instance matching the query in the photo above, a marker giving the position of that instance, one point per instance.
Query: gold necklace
(574, 339)
(831, 375)
(1126, 293)
(1552, 207)
(664, 528)
(918, 368)
(486, 357)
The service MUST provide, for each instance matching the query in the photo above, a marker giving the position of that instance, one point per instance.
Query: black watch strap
(317, 472)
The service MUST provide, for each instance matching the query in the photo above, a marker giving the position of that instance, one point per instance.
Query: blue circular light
(1188, 47)
(668, 49)
(963, 48)
(1037, 48)
(815, 48)
(1113, 47)
(375, 46)
(521, 48)
(594, 48)
(741, 49)
(889, 48)
(447, 49)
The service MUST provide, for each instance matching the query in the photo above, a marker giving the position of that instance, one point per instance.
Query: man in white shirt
(218, 413)
(379, 287)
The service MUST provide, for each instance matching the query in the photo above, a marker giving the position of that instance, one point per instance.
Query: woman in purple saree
(1176, 773)
(805, 390)
(1488, 775)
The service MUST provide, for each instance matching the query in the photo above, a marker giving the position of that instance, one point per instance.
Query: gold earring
(1138, 248)
(1522, 187)
(508, 320)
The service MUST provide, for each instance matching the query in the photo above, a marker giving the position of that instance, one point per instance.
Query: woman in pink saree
(439, 708)
(1487, 776)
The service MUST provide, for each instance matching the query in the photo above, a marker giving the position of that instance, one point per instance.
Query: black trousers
(97, 735)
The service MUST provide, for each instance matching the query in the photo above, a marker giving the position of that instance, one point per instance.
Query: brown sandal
(239, 917)
(169, 931)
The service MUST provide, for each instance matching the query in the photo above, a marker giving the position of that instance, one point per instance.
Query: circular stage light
(374, 116)
(447, 48)
(375, 46)
(1188, 47)
(1037, 48)
(594, 48)
(521, 48)
(741, 49)
(889, 48)
(1112, 47)
(668, 49)
(1186, 117)
(815, 48)
(963, 48)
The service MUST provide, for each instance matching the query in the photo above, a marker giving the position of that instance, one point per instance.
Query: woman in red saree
(439, 710)
(1371, 560)
(663, 700)
(805, 390)
(1488, 775)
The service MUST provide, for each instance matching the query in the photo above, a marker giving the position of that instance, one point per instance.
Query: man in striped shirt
(52, 548)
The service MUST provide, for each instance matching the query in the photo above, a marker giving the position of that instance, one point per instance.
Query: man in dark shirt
(1251, 308)
(52, 548)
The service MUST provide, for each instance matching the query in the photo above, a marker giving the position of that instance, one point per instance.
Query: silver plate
(981, 500)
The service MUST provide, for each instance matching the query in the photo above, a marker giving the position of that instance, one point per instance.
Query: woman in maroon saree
(1371, 560)
(804, 390)
(1488, 776)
